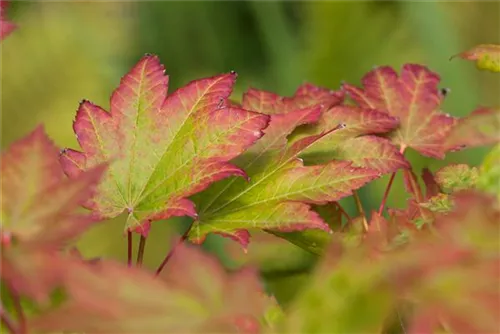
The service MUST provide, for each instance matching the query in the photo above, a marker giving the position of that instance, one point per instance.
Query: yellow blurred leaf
(487, 56)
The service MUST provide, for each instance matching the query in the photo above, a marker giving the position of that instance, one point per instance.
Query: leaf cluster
(273, 166)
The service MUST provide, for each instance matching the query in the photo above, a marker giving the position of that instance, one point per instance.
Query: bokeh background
(63, 52)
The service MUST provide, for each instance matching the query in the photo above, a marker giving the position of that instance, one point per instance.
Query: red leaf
(414, 98)
(432, 188)
(480, 128)
(307, 95)
(162, 149)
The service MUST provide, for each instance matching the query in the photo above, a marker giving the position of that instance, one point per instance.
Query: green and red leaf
(457, 177)
(39, 213)
(486, 56)
(193, 295)
(162, 149)
(38, 202)
(281, 188)
(413, 97)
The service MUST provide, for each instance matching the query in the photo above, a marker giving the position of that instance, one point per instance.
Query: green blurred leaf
(456, 177)
(489, 173)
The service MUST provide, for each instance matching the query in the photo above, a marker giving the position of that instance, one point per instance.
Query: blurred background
(63, 52)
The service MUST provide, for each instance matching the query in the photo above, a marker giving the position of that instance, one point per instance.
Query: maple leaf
(161, 149)
(480, 128)
(38, 201)
(438, 275)
(346, 282)
(39, 212)
(6, 27)
(456, 177)
(456, 266)
(487, 56)
(438, 203)
(194, 295)
(413, 97)
(281, 187)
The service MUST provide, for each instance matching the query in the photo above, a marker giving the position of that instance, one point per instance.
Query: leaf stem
(129, 248)
(342, 211)
(140, 252)
(361, 211)
(7, 321)
(389, 185)
(173, 249)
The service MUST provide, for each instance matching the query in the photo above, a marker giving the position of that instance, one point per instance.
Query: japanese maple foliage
(413, 97)
(311, 126)
(161, 149)
(275, 165)
(437, 275)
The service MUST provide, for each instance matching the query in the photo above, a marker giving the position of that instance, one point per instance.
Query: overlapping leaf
(39, 212)
(480, 128)
(413, 97)
(38, 201)
(6, 27)
(194, 294)
(486, 56)
(456, 177)
(281, 187)
(161, 149)
(438, 275)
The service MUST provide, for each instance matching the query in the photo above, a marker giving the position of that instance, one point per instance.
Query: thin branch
(361, 211)
(140, 252)
(389, 185)
(173, 249)
(129, 248)
(342, 211)
(386, 194)
(7, 321)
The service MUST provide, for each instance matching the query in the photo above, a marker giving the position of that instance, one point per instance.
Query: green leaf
(457, 177)
(346, 295)
(489, 173)
(438, 203)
